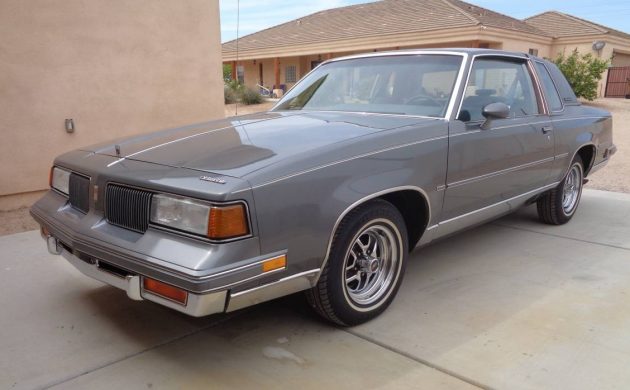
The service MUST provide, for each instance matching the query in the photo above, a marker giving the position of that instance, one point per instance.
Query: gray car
(365, 159)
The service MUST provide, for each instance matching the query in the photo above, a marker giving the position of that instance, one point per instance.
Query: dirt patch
(16, 221)
(231, 109)
(614, 177)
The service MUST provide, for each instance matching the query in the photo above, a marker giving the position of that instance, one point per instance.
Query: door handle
(547, 129)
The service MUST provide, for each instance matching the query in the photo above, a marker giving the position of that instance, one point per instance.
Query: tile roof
(378, 18)
(558, 24)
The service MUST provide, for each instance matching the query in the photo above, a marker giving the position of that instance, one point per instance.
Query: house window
(240, 73)
(290, 74)
(533, 52)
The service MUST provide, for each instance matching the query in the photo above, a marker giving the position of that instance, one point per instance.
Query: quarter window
(495, 80)
(555, 104)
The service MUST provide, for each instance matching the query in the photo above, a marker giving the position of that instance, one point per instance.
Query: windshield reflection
(409, 85)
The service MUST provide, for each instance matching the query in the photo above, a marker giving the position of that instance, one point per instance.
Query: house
(281, 55)
(80, 72)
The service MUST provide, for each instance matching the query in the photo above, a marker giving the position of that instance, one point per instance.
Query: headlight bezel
(196, 202)
(64, 175)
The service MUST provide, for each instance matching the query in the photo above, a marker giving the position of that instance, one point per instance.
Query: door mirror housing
(494, 111)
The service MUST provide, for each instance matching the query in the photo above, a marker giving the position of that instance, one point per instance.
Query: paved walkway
(513, 305)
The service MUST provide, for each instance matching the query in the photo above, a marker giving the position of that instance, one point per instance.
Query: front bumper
(230, 287)
(197, 305)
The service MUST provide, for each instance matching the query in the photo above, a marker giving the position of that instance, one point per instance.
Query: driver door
(488, 165)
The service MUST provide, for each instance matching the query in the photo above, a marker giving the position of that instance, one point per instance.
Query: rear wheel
(365, 266)
(558, 206)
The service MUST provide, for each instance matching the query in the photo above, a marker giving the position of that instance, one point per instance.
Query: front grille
(79, 192)
(128, 207)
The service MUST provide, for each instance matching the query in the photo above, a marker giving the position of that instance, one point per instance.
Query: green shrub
(227, 72)
(229, 95)
(249, 96)
(583, 72)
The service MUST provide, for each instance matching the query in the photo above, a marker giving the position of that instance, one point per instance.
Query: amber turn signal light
(227, 222)
(165, 290)
(274, 263)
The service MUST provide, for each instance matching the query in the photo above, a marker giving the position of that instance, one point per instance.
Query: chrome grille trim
(79, 192)
(128, 207)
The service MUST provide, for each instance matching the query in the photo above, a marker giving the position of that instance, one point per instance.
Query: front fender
(300, 213)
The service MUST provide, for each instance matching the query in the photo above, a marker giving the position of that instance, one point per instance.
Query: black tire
(341, 300)
(552, 208)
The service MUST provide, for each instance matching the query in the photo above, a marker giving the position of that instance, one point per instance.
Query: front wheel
(558, 206)
(365, 265)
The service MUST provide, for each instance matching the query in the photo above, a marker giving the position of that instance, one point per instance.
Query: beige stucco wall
(252, 71)
(117, 67)
(621, 59)
(585, 46)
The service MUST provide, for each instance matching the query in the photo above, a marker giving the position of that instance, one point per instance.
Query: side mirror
(494, 111)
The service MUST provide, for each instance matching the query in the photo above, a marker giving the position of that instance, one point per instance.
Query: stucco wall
(586, 47)
(117, 67)
(252, 71)
(621, 59)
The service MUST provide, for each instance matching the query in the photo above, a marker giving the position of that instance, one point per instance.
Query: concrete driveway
(513, 304)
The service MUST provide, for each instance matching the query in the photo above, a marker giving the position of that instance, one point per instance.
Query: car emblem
(212, 179)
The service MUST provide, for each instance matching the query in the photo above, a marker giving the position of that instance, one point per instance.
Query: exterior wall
(116, 67)
(621, 59)
(523, 46)
(252, 71)
(584, 46)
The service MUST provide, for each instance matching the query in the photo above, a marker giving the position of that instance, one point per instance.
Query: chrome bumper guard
(197, 305)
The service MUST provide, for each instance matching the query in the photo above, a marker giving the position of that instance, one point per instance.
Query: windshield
(408, 85)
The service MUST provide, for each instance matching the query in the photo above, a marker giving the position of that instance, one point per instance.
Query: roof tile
(378, 18)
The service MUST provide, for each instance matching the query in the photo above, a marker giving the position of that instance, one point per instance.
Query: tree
(583, 72)
(227, 72)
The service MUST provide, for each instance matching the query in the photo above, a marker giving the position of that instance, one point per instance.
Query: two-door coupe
(366, 158)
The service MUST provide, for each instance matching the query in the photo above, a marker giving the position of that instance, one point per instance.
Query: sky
(256, 15)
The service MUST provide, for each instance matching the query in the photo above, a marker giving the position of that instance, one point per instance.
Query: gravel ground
(230, 109)
(614, 177)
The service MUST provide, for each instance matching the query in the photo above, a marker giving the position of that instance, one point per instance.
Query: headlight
(60, 179)
(197, 217)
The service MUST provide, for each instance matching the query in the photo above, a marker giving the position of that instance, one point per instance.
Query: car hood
(238, 146)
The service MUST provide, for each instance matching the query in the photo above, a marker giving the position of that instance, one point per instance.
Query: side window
(495, 80)
(555, 104)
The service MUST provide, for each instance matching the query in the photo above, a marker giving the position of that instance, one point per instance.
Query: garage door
(618, 83)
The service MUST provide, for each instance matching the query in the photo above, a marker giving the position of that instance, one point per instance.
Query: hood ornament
(211, 179)
(117, 147)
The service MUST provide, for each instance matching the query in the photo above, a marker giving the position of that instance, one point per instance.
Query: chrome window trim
(496, 55)
(554, 86)
(454, 92)
(363, 200)
(540, 94)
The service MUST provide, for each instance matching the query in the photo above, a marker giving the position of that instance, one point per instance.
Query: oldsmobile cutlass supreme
(366, 158)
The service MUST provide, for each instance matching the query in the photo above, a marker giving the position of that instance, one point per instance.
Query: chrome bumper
(197, 305)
